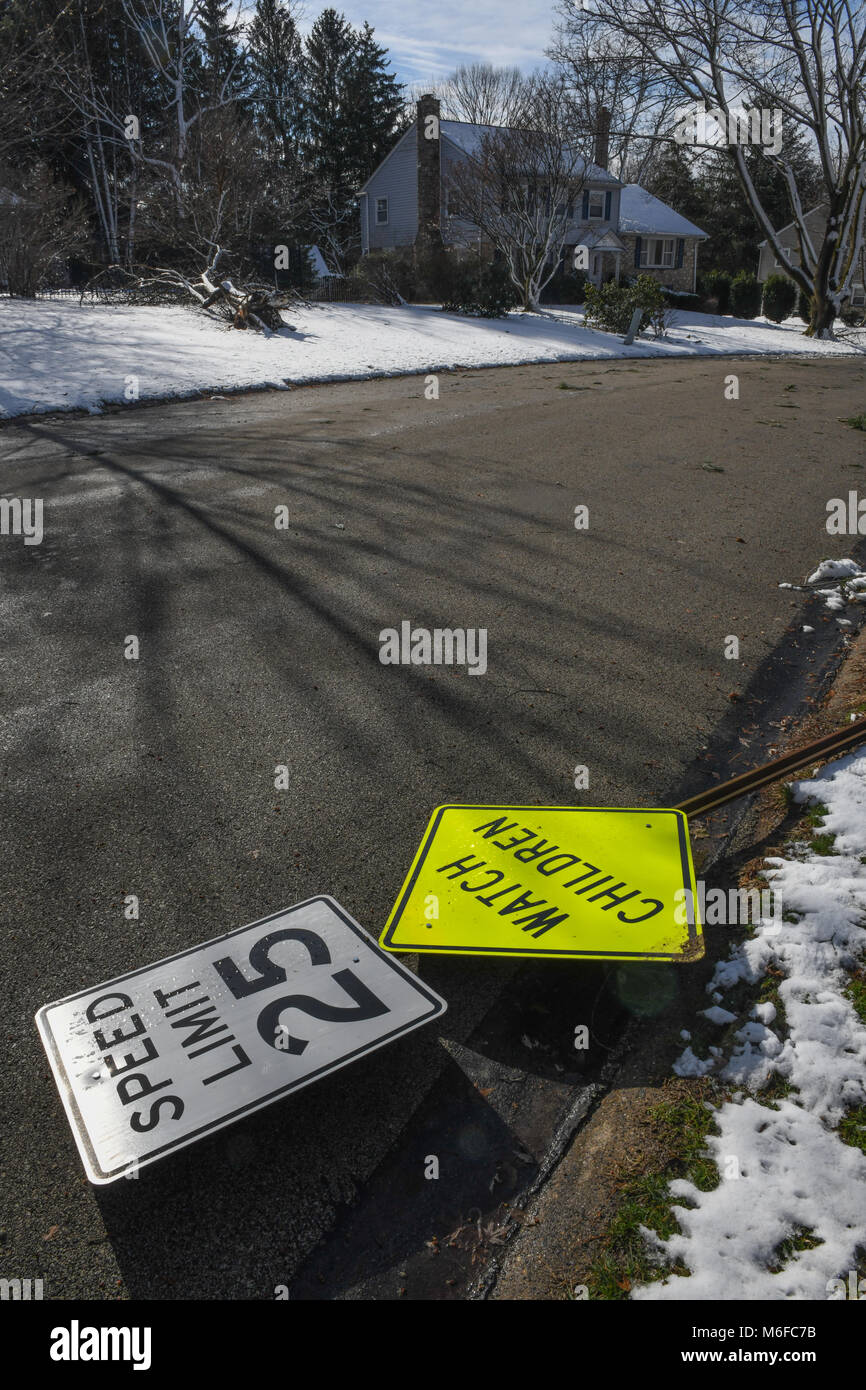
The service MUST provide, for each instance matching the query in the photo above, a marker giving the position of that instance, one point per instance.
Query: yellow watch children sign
(589, 882)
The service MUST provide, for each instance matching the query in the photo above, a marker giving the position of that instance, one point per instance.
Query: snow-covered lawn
(59, 355)
(784, 1169)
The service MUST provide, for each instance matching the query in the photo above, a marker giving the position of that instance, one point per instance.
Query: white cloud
(428, 40)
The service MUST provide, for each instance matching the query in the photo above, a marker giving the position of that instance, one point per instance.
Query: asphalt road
(259, 647)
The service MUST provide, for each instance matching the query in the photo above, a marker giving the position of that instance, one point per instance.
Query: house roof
(468, 137)
(320, 265)
(788, 225)
(640, 212)
(603, 239)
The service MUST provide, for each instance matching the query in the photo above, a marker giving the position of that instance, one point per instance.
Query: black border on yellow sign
(387, 936)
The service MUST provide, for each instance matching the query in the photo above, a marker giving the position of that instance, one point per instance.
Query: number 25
(268, 974)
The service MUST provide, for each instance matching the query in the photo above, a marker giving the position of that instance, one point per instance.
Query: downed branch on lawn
(251, 306)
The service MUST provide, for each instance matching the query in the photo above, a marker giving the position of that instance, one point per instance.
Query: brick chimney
(601, 148)
(429, 172)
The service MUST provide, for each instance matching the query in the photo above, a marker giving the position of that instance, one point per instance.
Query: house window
(858, 296)
(595, 207)
(381, 211)
(657, 252)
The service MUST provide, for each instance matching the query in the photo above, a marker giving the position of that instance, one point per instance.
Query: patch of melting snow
(785, 1169)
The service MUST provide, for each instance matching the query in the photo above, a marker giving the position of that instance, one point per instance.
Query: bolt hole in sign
(596, 883)
(153, 1060)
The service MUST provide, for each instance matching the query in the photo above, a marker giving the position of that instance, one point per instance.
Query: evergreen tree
(671, 178)
(373, 105)
(725, 209)
(222, 60)
(275, 58)
(330, 49)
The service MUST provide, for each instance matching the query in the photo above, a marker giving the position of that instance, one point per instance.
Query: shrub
(677, 300)
(438, 273)
(780, 296)
(649, 296)
(387, 277)
(498, 293)
(745, 296)
(717, 285)
(611, 306)
(488, 293)
(567, 287)
(804, 306)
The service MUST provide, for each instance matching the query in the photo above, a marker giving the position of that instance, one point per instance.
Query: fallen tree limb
(254, 306)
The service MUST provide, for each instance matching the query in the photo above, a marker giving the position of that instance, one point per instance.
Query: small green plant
(786, 795)
(857, 422)
(856, 992)
(777, 1088)
(802, 1238)
(823, 844)
(852, 1128)
(683, 1125)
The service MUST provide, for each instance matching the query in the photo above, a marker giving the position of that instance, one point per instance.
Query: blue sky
(428, 38)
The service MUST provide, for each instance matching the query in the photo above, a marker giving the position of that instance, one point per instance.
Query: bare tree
(477, 92)
(520, 187)
(333, 223)
(197, 180)
(485, 95)
(166, 32)
(101, 85)
(166, 29)
(805, 59)
(606, 70)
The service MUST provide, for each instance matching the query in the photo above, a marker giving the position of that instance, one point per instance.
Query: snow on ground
(62, 355)
(794, 1170)
(849, 585)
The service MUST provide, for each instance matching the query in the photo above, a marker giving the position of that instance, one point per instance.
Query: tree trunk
(823, 314)
(825, 307)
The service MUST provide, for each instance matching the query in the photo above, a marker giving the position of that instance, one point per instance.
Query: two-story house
(816, 226)
(625, 229)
